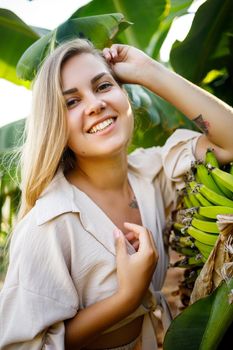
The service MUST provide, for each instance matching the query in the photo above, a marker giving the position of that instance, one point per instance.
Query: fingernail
(116, 233)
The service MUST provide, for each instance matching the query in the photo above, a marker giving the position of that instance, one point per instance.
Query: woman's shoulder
(179, 146)
(146, 162)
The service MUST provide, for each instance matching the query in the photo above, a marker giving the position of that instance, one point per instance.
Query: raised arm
(134, 274)
(212, 116)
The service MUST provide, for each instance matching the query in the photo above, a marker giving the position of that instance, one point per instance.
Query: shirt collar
(61, 197)
(56, 199)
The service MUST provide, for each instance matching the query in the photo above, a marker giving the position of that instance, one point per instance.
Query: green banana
(211, 211)
(190, 212)
(185, 250)
(206, 226)
(204, 249)
(189, 261)
(205, 178)
(178, 226)
(203, 201)
(214, 197)
(223, 188)
(206, 238)
(192, 198)
(187, 202)
(186, 241)
(231, 168)
(223, 177)
(210, 158)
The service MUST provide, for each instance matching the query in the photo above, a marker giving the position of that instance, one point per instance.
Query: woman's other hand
(135, 271)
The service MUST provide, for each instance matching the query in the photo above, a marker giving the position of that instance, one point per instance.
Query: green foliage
(146, 17)
(16, 36)
(10, 136)
(9, 201)
(202, 325)
(205, 56)
(98, 29)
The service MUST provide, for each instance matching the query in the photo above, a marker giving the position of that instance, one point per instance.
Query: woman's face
(99, 114)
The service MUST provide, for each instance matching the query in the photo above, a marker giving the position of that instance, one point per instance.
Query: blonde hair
(46, 128)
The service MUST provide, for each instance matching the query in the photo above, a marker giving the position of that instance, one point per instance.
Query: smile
(101, 126)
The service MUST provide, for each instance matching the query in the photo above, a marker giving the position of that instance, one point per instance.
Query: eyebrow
(93, 80)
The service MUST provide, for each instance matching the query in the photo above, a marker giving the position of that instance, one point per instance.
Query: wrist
(128, 299)
(155, 75)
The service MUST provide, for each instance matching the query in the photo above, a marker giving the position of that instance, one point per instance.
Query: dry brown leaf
(219, 264)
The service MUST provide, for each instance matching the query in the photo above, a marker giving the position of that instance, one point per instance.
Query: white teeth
(101, 126)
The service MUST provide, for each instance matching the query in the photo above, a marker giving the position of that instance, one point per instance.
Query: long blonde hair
(46, 128)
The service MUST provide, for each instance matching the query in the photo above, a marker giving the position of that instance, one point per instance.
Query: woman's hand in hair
(135, 271)
(128, 63)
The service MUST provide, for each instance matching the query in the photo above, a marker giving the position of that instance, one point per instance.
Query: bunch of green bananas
(207, 193)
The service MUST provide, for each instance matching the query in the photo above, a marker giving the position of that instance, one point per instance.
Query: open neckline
(132, 182)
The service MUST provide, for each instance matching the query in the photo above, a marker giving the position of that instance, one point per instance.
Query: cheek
(74, 121)
(74, 130)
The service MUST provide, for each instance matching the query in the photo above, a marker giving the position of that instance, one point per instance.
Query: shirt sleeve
(177, 155)
(38, 293)
(167, 164)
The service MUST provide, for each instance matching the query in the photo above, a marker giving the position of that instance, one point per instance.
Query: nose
(94, 104)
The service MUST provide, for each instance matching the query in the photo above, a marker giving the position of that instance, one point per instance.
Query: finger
(152, 240)
(153, 244)
(119, 52)
(136, 244)
(107, 54)
(130, 236)
(112, 52)
(141, 233)
(121, 249)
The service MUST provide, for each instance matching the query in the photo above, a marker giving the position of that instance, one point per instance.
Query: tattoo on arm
(202, 124)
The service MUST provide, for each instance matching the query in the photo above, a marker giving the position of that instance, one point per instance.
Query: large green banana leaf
(16, 36)
(202, 325)
(99, 29)
(177, 8)
(152, 19)
(208, 45)
(146, 16)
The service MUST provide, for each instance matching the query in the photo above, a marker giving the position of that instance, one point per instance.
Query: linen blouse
(62, 253)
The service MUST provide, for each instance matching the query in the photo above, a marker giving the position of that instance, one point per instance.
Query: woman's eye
(72, 103)
(104, 86)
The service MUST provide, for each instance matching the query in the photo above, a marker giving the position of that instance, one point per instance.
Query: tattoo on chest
(134, 204)
(202, 124)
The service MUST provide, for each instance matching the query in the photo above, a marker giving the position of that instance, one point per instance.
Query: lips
(101, 125)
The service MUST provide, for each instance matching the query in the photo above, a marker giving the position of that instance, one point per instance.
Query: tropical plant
(205, 56)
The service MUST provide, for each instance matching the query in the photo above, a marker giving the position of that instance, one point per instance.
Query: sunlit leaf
(99, 29)
(146, 16)
(16, 36)
(208, 39)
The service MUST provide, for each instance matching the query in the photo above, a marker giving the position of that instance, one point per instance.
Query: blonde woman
(87, 259)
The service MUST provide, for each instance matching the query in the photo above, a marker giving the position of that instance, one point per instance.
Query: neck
(105, 174)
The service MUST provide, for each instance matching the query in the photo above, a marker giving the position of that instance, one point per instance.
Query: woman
(87, 260)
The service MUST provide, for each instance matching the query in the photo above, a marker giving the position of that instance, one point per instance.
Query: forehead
(81, 69)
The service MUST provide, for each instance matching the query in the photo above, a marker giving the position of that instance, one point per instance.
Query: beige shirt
(62, 254)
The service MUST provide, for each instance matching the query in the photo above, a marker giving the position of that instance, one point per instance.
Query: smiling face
(99, 114)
